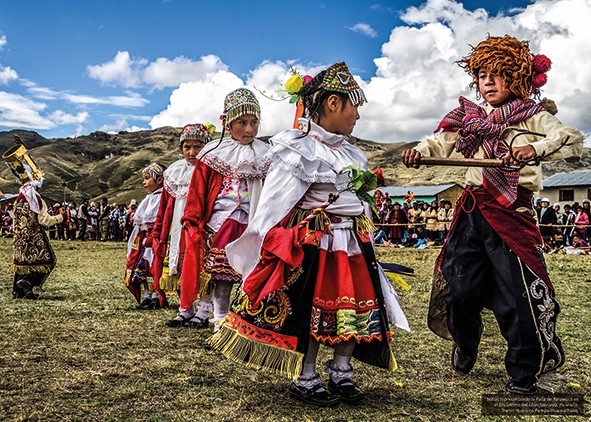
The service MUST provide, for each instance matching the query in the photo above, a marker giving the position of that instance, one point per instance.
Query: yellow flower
(294, 84)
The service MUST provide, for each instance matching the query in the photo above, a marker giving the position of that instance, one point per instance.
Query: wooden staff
(461, 162)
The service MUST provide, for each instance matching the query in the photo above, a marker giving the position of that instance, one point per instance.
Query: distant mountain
(109, 165)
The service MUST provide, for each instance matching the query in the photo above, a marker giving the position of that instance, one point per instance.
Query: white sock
(204, 308)
(221, 299)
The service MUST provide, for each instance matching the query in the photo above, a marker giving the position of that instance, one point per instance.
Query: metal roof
(396, 191)
(575, 178)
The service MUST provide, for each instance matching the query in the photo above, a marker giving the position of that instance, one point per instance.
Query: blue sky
(73, 67)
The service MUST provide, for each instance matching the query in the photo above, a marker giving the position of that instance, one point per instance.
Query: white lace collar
(177, 178)
(233, 159)
(331, 140)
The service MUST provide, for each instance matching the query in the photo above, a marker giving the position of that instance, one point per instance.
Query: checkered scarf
(477, 129)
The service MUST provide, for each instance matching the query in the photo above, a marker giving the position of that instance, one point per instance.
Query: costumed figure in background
(224, 191)
(33, 256)
(309, 269)
(138, 275)
(492, 256)
(166, 239)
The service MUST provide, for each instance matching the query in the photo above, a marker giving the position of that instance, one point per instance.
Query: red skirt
(216, 262)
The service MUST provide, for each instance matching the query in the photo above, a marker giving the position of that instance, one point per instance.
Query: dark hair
(314, 96)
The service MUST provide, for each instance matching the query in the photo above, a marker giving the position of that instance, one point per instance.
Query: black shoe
(315, 395)
(196, 322)
(23, 289)
(178, 321)
(347, 390)
(146, 304)
(155, 303)
(460, 363)
(516, 386)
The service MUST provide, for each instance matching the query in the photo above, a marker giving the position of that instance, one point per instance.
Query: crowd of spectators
(85, 221)
(566, 227)
(413, 223)
(408, 224)
(420, 224)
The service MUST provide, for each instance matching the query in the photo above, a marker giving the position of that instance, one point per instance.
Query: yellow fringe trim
(28, 269)
(253, 354)
(169, 283)
(364, 224)
(204, 283)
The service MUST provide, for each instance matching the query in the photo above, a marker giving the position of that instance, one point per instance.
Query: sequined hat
(201, 132)
(155, 170)
(239, 103)
(338, 78)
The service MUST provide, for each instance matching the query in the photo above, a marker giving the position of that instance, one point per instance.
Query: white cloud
(6, 75)
(122, 70)
(363, 29)
(17, 111)
(3, 42)
(198, 101)
(416, 80)
(162, 73)
(131, 100)
(204, 100)
(166, 73)
(61, 118)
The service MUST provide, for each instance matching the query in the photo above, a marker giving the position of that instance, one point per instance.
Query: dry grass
(85, 353)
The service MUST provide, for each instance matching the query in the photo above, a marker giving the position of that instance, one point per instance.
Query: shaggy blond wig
(506, 57)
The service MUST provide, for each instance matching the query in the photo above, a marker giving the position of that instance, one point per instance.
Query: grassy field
(84, 352)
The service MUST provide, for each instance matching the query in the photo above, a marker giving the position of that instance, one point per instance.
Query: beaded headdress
(338, 79)
(507, 57)
(201, 132)
(155, 170)
(238, 103)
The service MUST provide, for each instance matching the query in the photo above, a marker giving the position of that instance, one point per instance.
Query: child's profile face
(493, 88)
(149, 184)
(245, 128)
(190, 149)
(342, 119)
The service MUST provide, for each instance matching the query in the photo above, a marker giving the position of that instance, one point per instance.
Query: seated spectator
(578, 241)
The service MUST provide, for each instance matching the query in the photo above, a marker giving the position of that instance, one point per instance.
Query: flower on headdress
(541, 63)
(294, 84)
(539, 80)
(292, 87)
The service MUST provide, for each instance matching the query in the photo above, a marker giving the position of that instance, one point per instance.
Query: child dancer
(166, 238)
(224, 192)
(318, 282)
(137, 274)
(492, 257)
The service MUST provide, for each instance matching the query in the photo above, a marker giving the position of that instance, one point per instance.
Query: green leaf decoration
(362, 181)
